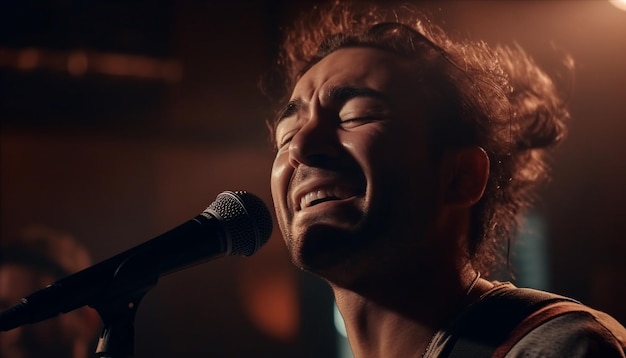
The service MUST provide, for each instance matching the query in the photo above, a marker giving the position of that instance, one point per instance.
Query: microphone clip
(119, 302)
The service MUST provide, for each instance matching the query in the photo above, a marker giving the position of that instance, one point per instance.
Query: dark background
(117, 159)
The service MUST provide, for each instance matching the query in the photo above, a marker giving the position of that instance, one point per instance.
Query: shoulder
(551, 325)
(578, 332)
(516, 322)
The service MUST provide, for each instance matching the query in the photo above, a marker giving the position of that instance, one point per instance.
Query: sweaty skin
(353, 182)
(353, 177)
(363, 203)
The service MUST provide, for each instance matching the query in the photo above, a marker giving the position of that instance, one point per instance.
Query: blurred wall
(119, 159)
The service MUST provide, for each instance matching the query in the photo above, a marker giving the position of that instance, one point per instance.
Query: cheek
(279, 179)
(397, 161)
(380, 151)
(368, 145)
(279, 182)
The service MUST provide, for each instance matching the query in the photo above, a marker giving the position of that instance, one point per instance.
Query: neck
(399, 317)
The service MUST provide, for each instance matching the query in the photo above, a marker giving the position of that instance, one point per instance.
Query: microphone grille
(246, 220)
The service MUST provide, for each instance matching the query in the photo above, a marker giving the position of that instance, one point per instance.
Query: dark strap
(489, 323)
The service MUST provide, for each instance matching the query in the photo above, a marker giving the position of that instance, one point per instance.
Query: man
(29, 261)
(403, 161)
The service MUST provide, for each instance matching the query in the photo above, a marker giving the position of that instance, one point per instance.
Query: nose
(316, 144)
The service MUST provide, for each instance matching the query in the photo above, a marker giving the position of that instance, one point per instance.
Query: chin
(328, 251)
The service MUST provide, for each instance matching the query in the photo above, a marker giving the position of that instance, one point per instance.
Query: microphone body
(237, 223)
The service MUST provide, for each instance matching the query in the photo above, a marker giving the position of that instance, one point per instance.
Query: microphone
(236, 223)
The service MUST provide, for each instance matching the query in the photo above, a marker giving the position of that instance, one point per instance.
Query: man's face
(353, 182)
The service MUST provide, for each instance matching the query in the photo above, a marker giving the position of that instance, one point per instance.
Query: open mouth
(323, 195)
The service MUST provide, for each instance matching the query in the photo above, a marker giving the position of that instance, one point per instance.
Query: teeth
(308, 199)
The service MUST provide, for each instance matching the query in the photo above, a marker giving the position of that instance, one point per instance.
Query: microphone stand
(133, 278)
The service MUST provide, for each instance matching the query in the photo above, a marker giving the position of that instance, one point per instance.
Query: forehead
(360, 67)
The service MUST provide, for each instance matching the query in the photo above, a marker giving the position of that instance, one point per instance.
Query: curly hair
(495, 97)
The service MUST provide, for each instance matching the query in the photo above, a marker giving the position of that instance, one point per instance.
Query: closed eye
(361, 110)
(358, 121)
(286, 138)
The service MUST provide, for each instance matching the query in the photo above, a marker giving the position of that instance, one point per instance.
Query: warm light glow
(28, 59)
(271, 301)
(620, 4)
(79, 62)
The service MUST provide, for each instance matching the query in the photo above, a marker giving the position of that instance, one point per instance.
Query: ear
(464, 175)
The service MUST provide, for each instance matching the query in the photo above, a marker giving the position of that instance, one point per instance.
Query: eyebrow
(336, 94)
(339, 94)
